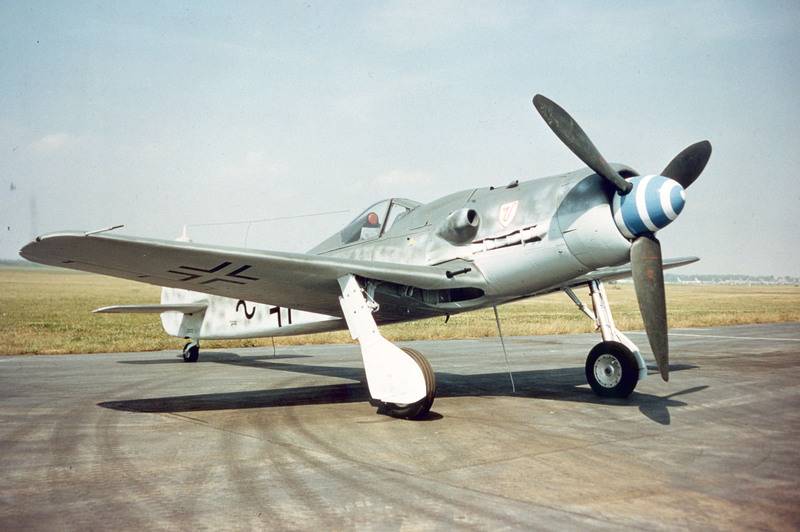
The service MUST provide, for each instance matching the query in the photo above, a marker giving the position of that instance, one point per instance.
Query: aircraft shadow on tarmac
(566, 384)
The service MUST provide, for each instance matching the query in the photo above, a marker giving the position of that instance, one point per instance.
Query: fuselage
(531, 238)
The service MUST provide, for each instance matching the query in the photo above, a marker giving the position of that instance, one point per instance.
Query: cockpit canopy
(372, 222)
(376, 220)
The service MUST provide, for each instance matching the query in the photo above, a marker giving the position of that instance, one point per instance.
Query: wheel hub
(607, 371)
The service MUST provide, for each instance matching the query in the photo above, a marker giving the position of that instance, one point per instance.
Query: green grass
(49, 311)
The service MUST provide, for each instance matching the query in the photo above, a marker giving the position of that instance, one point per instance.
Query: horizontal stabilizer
(186, 308)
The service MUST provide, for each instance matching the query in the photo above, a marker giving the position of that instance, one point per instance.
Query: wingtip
(39, 250)
(27, 251)
(24, 251)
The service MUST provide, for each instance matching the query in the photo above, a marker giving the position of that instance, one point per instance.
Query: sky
(155, 115)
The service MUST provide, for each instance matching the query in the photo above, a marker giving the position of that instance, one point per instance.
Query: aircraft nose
(653, 203)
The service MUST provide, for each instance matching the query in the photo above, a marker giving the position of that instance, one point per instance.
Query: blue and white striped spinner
(651, 205)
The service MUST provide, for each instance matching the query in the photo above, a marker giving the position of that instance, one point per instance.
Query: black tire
(611, 370)
(423, 406)
(191, 352)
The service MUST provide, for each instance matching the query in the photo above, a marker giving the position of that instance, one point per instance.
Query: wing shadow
(563, 384)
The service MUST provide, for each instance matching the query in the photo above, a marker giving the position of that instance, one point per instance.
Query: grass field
(49, 311)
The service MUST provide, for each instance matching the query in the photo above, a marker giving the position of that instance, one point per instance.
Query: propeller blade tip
(705, 146)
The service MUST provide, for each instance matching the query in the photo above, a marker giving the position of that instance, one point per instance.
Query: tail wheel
(191, 352)
(611, 370)
(422, 407)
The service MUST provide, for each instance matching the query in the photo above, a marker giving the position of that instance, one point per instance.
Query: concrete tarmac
(245, 439)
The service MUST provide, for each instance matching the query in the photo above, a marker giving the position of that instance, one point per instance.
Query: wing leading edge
(294, 280)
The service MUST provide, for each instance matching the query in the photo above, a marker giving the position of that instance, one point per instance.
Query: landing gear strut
(401, 382)
(615, 365)
(191, 351)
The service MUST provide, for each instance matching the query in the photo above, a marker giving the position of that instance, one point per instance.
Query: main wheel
(611, 370)
(420, 408)
(191, 352)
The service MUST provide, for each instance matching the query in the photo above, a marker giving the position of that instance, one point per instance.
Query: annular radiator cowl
(588, 227)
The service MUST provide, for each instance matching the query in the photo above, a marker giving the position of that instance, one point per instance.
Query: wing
(293, 280)
(620, 272)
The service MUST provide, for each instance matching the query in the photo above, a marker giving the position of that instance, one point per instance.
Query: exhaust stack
(460, 227)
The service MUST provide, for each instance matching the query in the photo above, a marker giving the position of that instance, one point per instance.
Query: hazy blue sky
(159, 114)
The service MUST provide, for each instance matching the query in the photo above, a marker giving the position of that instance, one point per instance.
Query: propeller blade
(689, 164)
(648, 280)
(577, 141)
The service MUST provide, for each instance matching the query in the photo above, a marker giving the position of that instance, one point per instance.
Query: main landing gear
(419, 408)
(401, 382)
(191, 351)
(615, 365)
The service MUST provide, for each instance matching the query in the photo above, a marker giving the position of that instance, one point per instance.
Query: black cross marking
(240, 270)
(189, 276)
(235, 274)
(212, 270)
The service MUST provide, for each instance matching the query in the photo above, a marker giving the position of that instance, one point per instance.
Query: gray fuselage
(532, 237)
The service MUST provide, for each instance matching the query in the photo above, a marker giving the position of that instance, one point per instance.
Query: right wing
(292, 280)
(615, 273)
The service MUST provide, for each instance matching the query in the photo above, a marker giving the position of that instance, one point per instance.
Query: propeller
(689, 164)
(648, 281)
(655, 202)
(571, 134)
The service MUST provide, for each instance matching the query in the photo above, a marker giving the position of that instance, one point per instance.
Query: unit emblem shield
(507, 212)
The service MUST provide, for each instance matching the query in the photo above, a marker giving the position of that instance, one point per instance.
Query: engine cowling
(588, 227)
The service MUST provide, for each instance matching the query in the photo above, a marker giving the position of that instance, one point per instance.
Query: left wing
(620, 272)
(293, 280)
